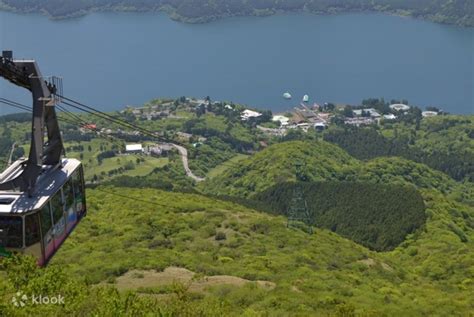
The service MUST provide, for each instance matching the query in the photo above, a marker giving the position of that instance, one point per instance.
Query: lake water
(110, 60)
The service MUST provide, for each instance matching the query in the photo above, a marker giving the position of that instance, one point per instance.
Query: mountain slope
(182, 231)
(431, 273)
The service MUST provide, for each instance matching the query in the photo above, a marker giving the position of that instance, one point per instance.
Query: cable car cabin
(38, 225)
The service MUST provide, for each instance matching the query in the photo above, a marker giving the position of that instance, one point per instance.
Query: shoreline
(173, 15)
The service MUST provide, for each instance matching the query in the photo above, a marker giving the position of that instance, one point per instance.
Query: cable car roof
(49, 182)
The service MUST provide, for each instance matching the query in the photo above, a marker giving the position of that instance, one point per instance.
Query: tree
(266, 116)
(200, 110)
(348, 112)
(431, 108)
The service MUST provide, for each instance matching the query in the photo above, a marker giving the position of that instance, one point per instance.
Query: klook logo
(21, 300)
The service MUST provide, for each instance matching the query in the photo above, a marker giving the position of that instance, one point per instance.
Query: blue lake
(110, 60)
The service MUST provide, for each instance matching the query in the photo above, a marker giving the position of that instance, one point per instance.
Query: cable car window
(46, 222)
(68, 194)
(78, 183)
(57, 207)
(32, 229)
(11, 232)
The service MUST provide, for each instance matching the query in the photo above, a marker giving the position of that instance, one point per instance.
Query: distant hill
(458, 12)
(445, 143)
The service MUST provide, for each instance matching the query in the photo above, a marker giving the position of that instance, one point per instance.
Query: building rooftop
(399, 107)
(133, 147)
(247, 114)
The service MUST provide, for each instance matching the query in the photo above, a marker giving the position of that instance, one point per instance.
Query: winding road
(184, 157)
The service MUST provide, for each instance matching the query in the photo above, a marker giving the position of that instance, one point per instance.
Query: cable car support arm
(26, 74)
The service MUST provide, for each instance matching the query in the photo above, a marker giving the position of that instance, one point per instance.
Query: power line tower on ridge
(298, 211)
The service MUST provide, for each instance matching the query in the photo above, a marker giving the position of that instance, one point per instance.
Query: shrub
(220, 236)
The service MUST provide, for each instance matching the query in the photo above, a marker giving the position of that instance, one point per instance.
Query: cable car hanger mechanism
(26, 74)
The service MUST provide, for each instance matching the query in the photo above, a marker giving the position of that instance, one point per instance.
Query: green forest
(458, 12)
(376, 216)
(444, 143)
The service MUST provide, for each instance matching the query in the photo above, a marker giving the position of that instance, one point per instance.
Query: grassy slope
(431, 273)
(221, 168)
(92, 167)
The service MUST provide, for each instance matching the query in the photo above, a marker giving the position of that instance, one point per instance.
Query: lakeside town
(304, 116)
(187, 128)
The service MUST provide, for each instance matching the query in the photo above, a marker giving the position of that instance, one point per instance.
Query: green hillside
(327, 162)
(429, 274)
(275, 164)
(445, 143)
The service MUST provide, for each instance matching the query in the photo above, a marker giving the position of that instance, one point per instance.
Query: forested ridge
(326, 162)
(444, 143)
(458, 12)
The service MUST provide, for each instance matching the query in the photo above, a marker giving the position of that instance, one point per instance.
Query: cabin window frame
(41, 213)
(69, 183)
(34, 214)
(22, 229)
(62, 203)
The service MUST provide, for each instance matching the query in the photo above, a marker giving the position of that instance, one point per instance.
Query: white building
(283, 120)
(399, 107)
(247, 114)
(359, 121)
(390, 116)
(427, 114)
(371, 111)
(133, 148)
(320, 126)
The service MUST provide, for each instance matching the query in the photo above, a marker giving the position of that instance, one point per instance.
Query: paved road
(184, 158)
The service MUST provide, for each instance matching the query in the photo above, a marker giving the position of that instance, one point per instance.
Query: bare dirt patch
(371, 262)
(136, 279)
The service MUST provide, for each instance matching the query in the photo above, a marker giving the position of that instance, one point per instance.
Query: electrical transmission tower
(298, 211)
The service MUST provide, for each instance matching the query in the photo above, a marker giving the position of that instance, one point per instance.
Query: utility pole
(298, 211)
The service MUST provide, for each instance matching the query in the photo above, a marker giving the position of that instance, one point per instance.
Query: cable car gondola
(42, 198)
(40, 223)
